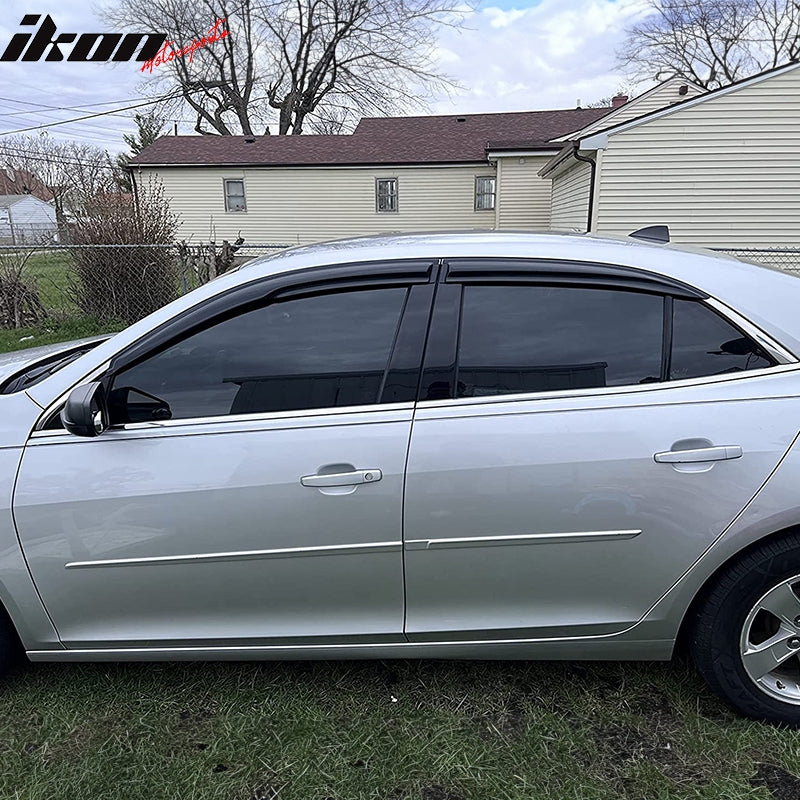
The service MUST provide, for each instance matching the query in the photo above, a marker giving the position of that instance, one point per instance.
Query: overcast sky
(513, 55)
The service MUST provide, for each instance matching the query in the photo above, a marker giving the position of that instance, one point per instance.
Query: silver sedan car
(472, 445)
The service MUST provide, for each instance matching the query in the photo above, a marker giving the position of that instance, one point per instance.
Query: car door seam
(13, 512)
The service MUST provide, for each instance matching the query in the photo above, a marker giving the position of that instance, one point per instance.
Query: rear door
(579, 442)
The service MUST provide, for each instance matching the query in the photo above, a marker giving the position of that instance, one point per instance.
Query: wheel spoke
(761, 659)
(783, 603)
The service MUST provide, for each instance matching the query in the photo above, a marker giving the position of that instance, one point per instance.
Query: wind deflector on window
(652, 233)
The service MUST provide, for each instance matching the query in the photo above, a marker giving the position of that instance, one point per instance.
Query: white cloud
(498, 18)
(546, 56)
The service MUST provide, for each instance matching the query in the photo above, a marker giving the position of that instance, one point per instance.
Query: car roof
(669, 260)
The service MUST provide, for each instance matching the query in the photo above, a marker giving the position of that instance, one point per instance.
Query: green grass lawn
(53, 274)
(54, 330)
(383, 731)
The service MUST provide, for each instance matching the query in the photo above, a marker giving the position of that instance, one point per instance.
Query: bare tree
(714, 42)
(44, 157)
(71, 171)
(302, 64)
(19, 297)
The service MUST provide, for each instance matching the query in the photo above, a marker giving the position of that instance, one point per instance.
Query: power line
(48, 107)
(49, 116)
(171, 96)
(91, 126)
(47, 159)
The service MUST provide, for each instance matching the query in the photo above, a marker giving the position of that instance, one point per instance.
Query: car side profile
(467, 445)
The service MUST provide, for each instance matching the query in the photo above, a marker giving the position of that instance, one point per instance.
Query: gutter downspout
(593, 168)
(134, 189)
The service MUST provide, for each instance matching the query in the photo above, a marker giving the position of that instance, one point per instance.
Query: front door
(266, 510)
(587, 458)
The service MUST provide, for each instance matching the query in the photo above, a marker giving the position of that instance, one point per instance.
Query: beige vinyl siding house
(721, 169)
(301, 205)
(570, 198)
(301, 189)
(671, 91)
(524, 198)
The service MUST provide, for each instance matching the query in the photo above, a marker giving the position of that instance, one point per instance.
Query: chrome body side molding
(523, 538)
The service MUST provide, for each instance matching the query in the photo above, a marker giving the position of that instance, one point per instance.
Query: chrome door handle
(722, 453)
(343, 478)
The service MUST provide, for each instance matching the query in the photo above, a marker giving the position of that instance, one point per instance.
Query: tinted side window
(312, 352)
(540, 338)
(703, 343)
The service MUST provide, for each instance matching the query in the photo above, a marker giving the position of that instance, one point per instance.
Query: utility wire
(47, 159)
(82, 107)
(171, 96)
(86, 127)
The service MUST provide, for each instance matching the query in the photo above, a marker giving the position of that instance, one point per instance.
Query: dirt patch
(782, 785)
(83, 738)
(508, 723)
(624, 743)
(621, 747)
(193, 729)
(653, 705)
(194, 719)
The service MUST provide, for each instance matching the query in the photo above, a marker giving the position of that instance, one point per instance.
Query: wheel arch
(682, 640)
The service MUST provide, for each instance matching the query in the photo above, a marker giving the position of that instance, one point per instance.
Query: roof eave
(305, 165)
(560, 158)
(505, 152)
(599, 139)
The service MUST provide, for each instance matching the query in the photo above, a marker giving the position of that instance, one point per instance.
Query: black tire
(10, 647)
(715, 640)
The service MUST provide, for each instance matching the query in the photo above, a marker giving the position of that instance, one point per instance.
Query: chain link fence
(785, 258)
(115, 284)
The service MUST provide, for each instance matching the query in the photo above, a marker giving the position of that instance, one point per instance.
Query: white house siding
(302, 205)
(665, 94)
(524, 197)
(722, 173)
(570, 207)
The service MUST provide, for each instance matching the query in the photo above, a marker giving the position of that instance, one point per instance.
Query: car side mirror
(84, 413)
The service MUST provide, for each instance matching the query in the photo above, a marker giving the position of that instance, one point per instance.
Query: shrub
(130, 268)
(19, 297)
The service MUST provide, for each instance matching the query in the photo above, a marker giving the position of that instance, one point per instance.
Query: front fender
(18, 415)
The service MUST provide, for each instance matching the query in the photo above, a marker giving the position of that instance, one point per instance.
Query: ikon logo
(88, 47)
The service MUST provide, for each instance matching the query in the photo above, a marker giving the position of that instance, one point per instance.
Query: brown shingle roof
(20, 181)
(379, 140)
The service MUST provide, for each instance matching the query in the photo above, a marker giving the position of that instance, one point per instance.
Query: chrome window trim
(787, 362)
(603, 391)
(774, 348)
(236, 419)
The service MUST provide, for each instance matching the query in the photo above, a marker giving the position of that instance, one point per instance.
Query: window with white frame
(234, 195)
(386, 195)
(485, 193)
